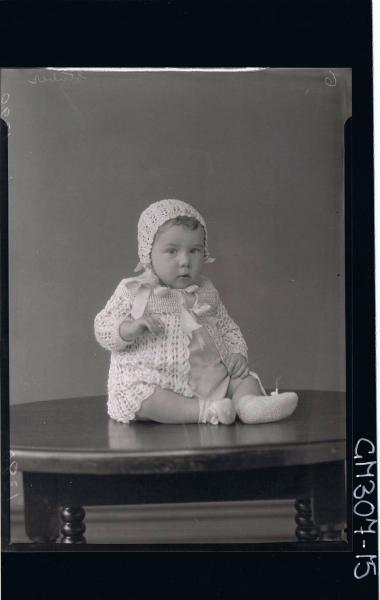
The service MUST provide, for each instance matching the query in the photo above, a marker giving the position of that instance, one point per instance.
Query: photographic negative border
(200, 34)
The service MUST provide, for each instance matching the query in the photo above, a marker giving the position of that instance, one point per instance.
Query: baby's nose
(184, 259)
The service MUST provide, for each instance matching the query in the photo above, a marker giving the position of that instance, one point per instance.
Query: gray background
(260, 154)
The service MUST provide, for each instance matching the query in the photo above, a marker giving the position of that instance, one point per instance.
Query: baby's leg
(253, 407)
(242, 386)
(165, 406)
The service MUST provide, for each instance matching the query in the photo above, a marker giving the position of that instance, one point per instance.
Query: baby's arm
(131, 329)
(114, 327)
(230, 331)
(237, 362)
(108, 320)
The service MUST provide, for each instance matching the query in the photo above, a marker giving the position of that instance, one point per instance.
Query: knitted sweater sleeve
(230, 332)
(108, 320)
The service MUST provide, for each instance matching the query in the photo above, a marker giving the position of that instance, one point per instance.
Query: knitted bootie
(217, 411)
(264, 409)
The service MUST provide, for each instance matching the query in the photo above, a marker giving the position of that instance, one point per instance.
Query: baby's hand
(237, 366)
(132, 329)
(153, 324)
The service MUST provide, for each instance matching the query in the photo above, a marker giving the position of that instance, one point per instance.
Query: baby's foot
(264, 409)
(217, 411)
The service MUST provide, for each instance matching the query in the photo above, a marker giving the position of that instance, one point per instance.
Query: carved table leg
(41, 507)
(73, 526)
(330, 533)
(306, 530)
(329, 491)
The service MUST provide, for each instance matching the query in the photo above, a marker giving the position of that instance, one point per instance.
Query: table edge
(119, 462)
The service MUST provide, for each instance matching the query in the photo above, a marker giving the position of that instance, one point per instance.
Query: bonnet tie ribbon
(146, 283)
(189, 323)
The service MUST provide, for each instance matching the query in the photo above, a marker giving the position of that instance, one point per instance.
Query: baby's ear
(209, 259)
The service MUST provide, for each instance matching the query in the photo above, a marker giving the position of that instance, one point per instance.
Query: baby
(176, 354)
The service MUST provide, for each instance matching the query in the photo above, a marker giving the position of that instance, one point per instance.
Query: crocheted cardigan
(150, 361)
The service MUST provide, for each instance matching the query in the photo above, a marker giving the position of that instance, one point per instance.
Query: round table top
(75, 435)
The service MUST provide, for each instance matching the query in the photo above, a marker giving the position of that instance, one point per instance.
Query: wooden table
(72, 455)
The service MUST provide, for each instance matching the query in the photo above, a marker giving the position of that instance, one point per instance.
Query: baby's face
(178, 255)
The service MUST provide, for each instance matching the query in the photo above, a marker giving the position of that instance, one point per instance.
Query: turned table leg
(72, 525)
(329, 492)
(306, 530)
(41, 507)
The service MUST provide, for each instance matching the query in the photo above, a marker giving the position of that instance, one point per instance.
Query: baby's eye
(195, 250)
(171, 250)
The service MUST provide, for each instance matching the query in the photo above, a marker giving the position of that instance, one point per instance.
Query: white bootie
(264, 409)
(217, 411)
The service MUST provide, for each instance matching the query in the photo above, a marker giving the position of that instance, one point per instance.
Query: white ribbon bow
(189, 323)
(146, 282)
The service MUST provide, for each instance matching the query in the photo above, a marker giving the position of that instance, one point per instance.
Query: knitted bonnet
(156, 215)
